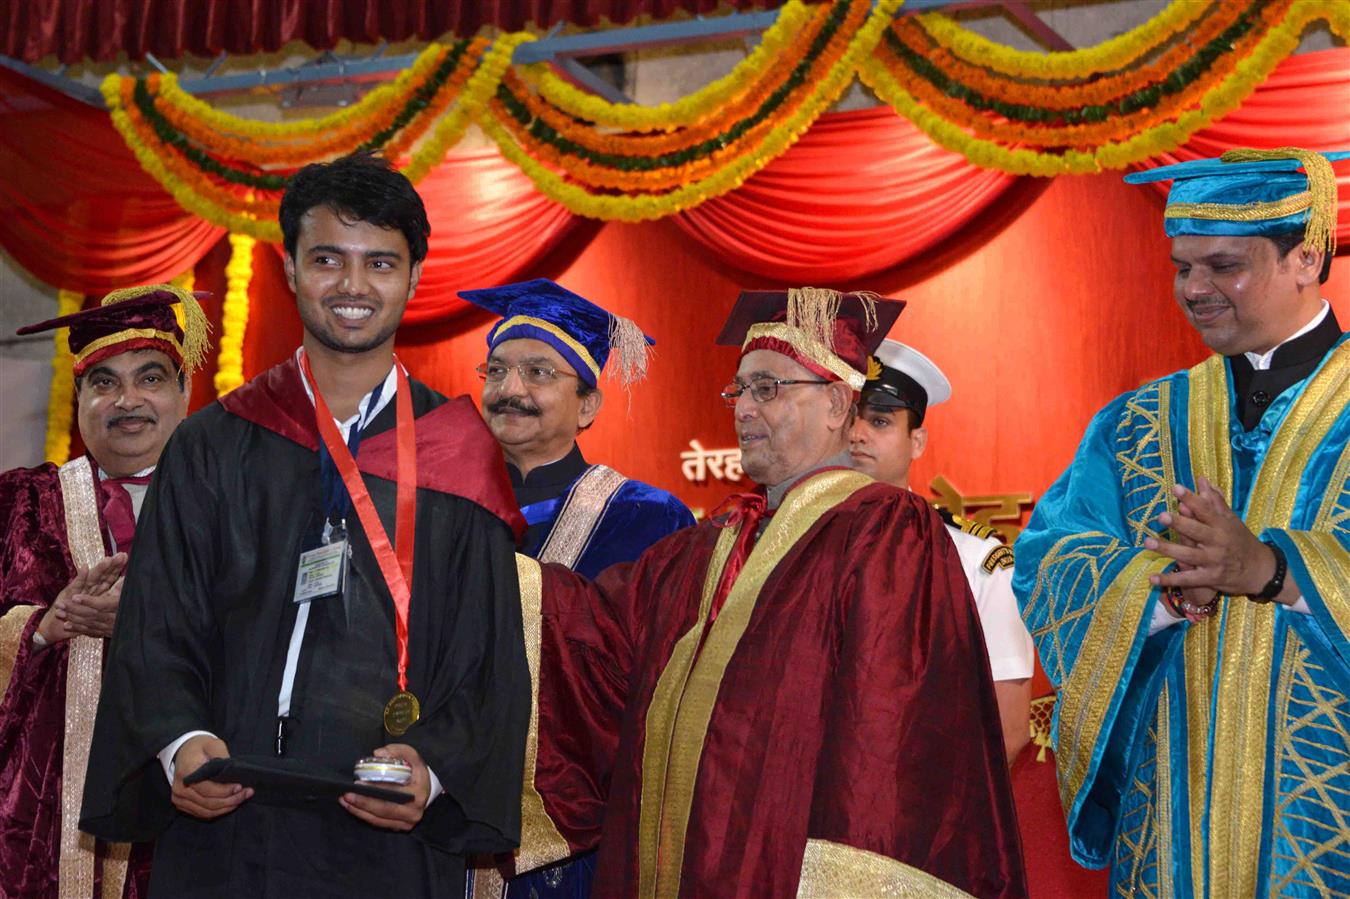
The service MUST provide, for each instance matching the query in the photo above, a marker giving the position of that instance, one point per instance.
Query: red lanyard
(397, 576)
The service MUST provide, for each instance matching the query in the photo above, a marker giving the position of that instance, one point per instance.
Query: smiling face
(795, 431)
(128, 405)
(1241, 294)
(882, 444)
(352, 281)
(535, 423)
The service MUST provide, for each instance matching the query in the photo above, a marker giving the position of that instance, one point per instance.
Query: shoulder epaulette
(974, 528)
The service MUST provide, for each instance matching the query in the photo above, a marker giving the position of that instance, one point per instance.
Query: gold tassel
(629, 349)
(1320, 231)
(196, 328)
(814, 310)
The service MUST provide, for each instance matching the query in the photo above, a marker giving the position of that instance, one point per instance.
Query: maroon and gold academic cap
(831, 333)
(135, 318)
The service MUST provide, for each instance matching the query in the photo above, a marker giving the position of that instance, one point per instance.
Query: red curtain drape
(76, 209)
(101, 29)
(859, 193)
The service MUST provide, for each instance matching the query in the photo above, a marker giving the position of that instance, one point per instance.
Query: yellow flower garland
(1281, 41)
(301, 129)
(234, 315)
(61, 393)
(644, 207)
(482, 85)
(688, 110)
(1116, 53)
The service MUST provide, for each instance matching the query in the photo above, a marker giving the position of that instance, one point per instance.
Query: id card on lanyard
(322, 570)
(395, 557)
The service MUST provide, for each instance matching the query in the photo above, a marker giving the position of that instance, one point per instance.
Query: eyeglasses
(532, 373)
(762, 390)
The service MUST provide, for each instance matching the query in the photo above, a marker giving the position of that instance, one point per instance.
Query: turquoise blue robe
(1209, 759)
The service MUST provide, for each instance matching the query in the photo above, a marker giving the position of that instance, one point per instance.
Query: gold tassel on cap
(196, 328)
(1320, 231)
(629, 352)
(813, 311)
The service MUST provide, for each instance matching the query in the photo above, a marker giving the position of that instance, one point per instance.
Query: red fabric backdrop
(859, 193)
(101, 29)
(1039, 299)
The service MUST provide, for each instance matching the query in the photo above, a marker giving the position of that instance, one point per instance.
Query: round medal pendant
(400, 713)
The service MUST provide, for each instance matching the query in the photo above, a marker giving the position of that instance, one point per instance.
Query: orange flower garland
(987, 125)
(656, 180)
(1075, 95)
(586, 135)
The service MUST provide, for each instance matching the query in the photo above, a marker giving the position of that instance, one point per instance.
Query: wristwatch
(1276, 584)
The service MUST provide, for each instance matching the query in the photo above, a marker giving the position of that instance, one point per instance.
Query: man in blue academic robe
(540, 390)
(1187, 580)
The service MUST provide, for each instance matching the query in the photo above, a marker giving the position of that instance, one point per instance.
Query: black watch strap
(1276, 584)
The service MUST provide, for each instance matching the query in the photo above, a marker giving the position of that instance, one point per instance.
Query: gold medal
(400, 713)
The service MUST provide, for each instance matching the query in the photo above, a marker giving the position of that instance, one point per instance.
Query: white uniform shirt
(987, 564)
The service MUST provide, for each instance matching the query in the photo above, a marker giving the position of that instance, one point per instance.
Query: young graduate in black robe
(198, 664)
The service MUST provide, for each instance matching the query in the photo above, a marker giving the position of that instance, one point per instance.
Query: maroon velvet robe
(856, 708)
(35, 565)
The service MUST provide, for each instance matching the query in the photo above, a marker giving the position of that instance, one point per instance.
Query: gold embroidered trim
(1242, 700)
(12, 626)
(540, 841)
(567, 339)
(84, 674)
(1162, 796)
(580, 513)
(123, 336)
(809, 347)
(1211, 457)
(1099, 669)
(835, 871)
(660, 725)
(687, 704)
(1327, 562)
(1240, 212)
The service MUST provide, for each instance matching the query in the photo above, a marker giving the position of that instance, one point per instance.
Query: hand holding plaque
(205, 799)
(391, 815)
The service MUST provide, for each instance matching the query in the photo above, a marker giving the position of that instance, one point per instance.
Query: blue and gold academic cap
(582, 333)
(1258, 193)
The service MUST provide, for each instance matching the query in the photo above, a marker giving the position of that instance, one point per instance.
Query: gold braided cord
(1320, 232)
(1240, 212)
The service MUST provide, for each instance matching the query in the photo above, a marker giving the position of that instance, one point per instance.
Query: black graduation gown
(201, 639)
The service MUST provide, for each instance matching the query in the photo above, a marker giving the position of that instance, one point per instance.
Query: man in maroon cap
(758, 705)
(65, 538)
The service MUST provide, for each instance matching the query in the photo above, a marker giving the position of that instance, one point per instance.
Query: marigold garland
(1065, 94)
(1275, 45)
(1116, 53)
(991, 109)
(61, 393)
(1036, 127)
(234, 314)
(302, 129)
(713, 122)
(642, 207)
(792, 18)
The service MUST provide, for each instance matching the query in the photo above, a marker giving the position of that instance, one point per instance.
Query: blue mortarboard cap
(1257, 193)
(583, 333)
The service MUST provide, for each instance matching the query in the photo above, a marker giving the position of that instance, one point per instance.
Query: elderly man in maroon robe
(791, 698)
(64, 537)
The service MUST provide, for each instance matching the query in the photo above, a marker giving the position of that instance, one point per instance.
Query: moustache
(123, 419)
(514, 404)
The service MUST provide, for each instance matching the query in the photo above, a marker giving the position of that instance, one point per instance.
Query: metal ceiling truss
(564, 52)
